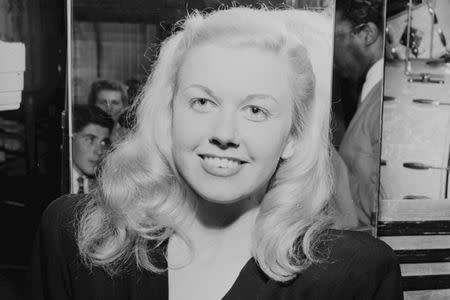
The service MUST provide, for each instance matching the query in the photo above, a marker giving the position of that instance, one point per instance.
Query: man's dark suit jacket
(358, 266)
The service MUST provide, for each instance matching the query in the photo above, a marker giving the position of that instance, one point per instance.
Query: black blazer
(358, 267)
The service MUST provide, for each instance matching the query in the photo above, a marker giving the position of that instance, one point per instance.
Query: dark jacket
(358, 267)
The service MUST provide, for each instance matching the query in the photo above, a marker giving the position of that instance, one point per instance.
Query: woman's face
(231, 120)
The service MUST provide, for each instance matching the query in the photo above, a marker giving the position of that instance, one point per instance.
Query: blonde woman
(222, 190)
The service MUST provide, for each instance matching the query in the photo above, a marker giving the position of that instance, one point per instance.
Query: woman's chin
(222, 198)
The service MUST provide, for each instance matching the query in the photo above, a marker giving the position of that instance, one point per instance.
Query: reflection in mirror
(109, 65)
(111, 58)
(414, 214)
(416, 139)
(422, 25)
(112, 51)
(113, 45)
(357, 98)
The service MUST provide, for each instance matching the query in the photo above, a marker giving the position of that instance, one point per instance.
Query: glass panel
(112, 49)
(357, 98)
(416, 119)
(416, 142)
(112, 45)
(111, 52)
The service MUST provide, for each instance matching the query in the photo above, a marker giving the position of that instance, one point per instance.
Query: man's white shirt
(75, 185)
(374, 75)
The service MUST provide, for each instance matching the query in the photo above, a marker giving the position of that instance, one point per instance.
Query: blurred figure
(359, 57)
(112, 97)
(134, 87)
(91, 131)
(127, 118)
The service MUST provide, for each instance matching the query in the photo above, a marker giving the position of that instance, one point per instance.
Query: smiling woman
(227, 142)
(223, 188)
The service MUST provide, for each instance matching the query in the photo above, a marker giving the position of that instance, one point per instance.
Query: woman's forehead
(211, 62)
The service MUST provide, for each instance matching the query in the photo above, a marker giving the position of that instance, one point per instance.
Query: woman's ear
(288, 148)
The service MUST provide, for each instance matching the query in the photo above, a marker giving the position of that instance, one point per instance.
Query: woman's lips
(221, 166)
(221, 157)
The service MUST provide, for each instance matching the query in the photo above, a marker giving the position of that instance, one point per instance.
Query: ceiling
(148, 11)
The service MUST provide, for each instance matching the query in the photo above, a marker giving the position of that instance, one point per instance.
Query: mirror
(414, 211)
(417, 30)
(111, 55)
(416, 139)
(112, 47)
(357, 99)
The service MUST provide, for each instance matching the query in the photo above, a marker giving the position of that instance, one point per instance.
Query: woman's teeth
(221, 162)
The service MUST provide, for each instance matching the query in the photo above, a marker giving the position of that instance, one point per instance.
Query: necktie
(80, 185)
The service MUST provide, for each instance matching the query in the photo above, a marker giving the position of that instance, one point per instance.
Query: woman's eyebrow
(203, 88)
(260, 96)
(246, 99)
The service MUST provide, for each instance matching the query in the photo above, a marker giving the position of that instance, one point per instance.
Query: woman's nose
(225, 134)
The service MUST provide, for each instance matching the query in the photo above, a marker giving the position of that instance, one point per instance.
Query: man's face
(110, 102)
(349, 59)
(88, 147)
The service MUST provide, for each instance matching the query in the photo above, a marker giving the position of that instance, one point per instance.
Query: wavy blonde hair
(141, 200)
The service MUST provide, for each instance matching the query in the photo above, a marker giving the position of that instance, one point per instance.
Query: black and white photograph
(219, 149)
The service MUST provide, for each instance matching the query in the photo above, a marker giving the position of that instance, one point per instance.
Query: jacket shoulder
(345, 245)
(62, 213)
(354, 265)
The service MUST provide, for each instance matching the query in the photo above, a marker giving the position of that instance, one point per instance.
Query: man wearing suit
(358, 56)
(92, 128)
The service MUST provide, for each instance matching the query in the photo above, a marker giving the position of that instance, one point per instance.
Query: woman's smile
(228, 138)
(220, 165)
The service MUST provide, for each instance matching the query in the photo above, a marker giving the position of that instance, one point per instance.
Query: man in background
(91, 131)
(358, 46)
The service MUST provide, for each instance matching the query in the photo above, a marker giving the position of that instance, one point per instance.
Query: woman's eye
(255, 113)
(202, 104)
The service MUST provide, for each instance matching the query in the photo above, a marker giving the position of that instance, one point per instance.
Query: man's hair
(84, 115)
(361, 11)
(107, 85)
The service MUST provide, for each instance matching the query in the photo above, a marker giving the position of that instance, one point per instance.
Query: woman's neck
(219, 216)
(220, 246)
(211, 223)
